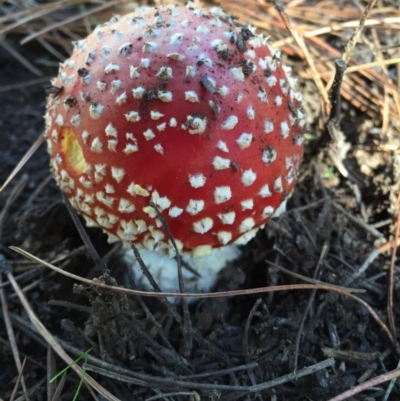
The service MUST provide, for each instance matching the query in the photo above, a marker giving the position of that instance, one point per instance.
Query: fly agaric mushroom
(184, 108)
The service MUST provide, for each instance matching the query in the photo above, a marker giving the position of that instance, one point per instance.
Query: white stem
(164, 269)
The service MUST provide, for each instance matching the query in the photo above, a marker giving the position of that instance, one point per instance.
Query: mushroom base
(164, 268)
(165, 271)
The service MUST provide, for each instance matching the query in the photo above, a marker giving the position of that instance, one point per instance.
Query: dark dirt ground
(314, 238)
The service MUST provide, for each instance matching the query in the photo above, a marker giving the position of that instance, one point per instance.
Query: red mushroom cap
(182, 107)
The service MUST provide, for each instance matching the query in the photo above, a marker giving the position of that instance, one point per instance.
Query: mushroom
(185, 109)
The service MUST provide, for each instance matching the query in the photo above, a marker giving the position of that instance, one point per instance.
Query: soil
(332, 226)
